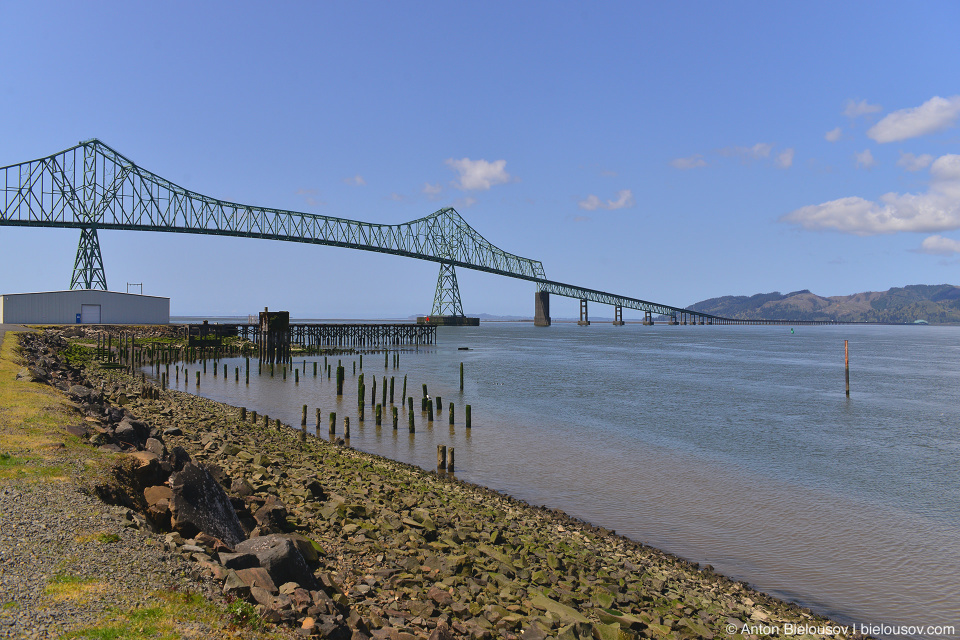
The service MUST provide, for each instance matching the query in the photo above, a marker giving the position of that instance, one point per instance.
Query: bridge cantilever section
(91, 186)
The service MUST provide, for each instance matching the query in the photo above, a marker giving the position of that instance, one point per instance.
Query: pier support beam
(541, 306)
(584, 317)
(648, 318)
(617, 316)
(673, 319)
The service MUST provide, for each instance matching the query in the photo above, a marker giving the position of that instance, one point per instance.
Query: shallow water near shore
(730, 446)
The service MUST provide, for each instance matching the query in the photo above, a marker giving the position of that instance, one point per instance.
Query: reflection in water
(733, 446)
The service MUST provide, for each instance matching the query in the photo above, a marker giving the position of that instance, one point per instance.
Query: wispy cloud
(356, 180)
(911, 162)
(757, 151)
(432, 189)
(936, 114)
(854, 109)
(833, 135)
(864, 159)
(478, 175)
(624, 200)
(464, 203)
(690, 162)
(940, 246)
(937, 209)
(784, 159)
(310, 197)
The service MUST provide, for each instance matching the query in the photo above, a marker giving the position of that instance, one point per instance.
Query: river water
(727, 445)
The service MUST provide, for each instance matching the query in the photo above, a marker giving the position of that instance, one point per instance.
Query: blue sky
(666, 151)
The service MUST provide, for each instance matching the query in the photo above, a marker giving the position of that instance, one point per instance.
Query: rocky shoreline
(334, 542)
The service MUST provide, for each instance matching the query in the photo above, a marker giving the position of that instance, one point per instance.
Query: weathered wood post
(410, 421)
(236, 374)
(253, 418)
(846, 361)
(296, 376)
(410, 402)
(461, 376)
(379, 414)
(314, 369)
(391, 389)
(451, 412)
(361, 362)
(303, 417)
(439, 405)
(346, 427)
(450, 461)
(318, 421)
(333, 423)
(429, 410)
(276, 424)
(198, 378)
(441, 457)
(383, 393)
(243, 413)
(373, 391)
(266, 421)
(386, 359)
(467, 416)
(404, 395)
(395, 416)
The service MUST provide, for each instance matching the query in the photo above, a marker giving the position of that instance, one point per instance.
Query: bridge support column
(648, 318)
(584, 317)
(617, 316)
(673, 318)
(541, 306)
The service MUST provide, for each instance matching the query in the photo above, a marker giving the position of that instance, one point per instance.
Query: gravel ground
(53, 538)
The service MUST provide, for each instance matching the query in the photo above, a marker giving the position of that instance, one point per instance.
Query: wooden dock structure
(340, 335)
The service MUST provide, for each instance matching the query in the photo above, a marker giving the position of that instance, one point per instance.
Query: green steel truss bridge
(91, 186)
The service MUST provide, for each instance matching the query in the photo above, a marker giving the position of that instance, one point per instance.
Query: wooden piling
(379, 414)
(410, 421)
(296, 376)
(386, 359)
(361, 362)
(395, 416)
(410, 401)
(439, 405)
(461, 376)
(333, 422)
(429, 410)
(451, 412)
(467, 416)
(276, 424)
(424, 389)
(253, 418)
(441, 457)
(404, 395)
(318, 420)
(846, 362)
(346, 427)
(236, 374)
(303, 418)
(198, 378)
(383, 393)
(224, 372)
(450, 460)
(243, 413)
(314, 369)
(373, 391)
(266, 421)
(391, 389)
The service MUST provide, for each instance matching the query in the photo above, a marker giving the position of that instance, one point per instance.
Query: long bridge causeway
(90, 187)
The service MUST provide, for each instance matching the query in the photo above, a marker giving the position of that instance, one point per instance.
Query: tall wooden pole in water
(846, 361)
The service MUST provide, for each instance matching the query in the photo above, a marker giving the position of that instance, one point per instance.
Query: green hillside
(936, 304)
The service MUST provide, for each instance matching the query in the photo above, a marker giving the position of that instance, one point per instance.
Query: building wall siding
(62, 307)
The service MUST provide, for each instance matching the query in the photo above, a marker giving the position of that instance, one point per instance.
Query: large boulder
(199, 504)
(281, 557)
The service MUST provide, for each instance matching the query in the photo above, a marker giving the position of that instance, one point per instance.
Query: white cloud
(864, 159)
(833, 135)
(936, 114)
(356, 180)
(854, 109)
(938, 209)
(479, 175)
(624, 200)
(938, 245)
(785, 158)
(911, 162)
(759, 150)
(432, 189)
(464, 203)
(310, 197)
(691, 162)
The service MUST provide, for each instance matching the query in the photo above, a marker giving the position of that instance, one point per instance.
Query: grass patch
(174, 615)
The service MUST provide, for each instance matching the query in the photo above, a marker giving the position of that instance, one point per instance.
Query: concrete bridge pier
(584, 318)
(673, 318)
(541, 305)
(617, 316)
(648, 318)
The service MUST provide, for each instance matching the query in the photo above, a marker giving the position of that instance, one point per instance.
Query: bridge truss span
(92, 186)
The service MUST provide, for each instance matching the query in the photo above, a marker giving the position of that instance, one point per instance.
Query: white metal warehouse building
(86, 306)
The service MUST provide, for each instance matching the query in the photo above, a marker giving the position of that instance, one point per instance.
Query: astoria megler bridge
(91, 186)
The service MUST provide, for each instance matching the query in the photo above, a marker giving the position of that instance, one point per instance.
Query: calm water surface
(733, 446)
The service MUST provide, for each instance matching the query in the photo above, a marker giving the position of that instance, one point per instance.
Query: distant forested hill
(937, 304)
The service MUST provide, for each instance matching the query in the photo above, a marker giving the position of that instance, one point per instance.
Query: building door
(90, 314)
